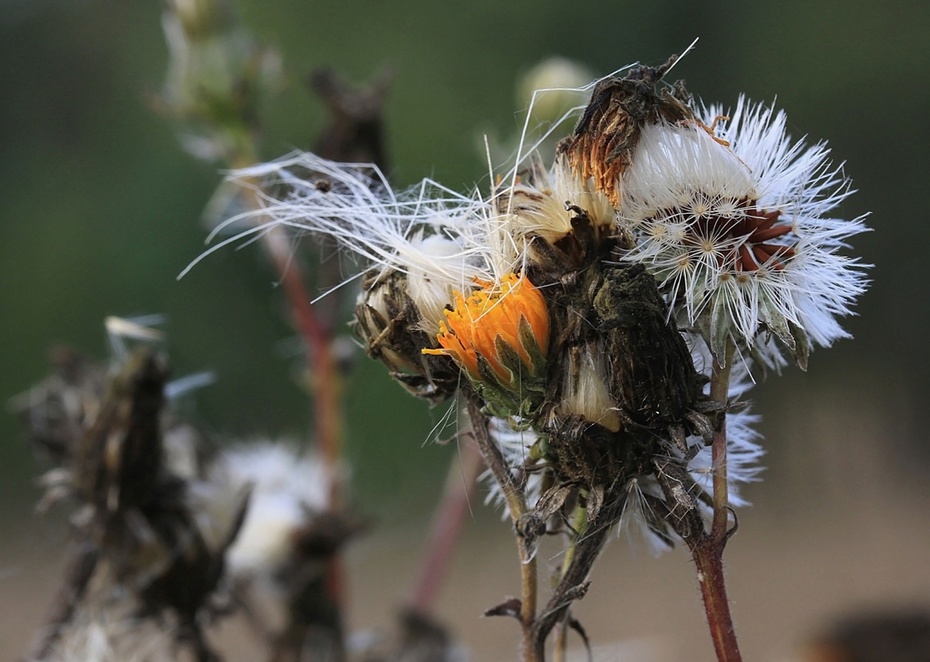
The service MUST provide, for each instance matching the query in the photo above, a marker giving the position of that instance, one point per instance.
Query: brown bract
(117, 462)
(389, 323)
(601, 146)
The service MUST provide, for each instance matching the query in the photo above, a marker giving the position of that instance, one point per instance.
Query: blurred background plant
(100, 209)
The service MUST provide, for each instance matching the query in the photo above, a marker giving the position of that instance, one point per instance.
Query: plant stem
(317, 339)
(707, 551)
(528, 582)
(516, 505)
(708, 557)
(719, 393)
(78, 572)
(325, 384)
(323, 377)
(579, 525)
(462, 480)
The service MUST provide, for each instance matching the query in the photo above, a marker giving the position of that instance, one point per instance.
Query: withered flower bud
(651, 370)
(389, 323)
(118, 461)
(601, 146)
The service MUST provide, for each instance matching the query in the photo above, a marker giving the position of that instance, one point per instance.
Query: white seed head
(681, 167)
(287, 491)
(736, 228)
(541, 206)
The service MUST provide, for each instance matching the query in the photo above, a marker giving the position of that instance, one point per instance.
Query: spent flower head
(287, 493)
(557, 296)
(734, 219)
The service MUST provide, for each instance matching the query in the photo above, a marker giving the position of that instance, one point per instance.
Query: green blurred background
(100, 209)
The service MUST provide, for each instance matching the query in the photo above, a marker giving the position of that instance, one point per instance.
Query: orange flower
(512, 312)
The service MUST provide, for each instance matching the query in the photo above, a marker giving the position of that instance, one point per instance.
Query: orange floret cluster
(492, 311)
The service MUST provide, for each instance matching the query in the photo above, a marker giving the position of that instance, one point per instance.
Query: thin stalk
(707, 551)
(316, 336)
(579, 526)
(447, 526)
(708, 557)
(719, 393)
(323, 377)
(516, 505)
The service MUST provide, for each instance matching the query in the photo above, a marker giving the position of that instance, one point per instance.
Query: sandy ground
(789, 574)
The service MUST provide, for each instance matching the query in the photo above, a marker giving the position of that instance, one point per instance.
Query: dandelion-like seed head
(734, 225)
(590, 304)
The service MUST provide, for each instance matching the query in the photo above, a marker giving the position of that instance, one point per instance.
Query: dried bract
(602, 145)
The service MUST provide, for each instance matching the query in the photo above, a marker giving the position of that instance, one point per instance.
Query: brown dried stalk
(707, 546)
(80, 568)
(523, 609)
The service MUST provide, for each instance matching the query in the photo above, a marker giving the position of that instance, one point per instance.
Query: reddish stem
(324, 385)
(321, 365)
(708, 557)
(323, 377)
(317, 340)
(447, 526)
(707, 550)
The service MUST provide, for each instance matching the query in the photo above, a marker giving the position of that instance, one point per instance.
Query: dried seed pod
(118, 460)
(589, 455)
(601, 146)
(389, 323)
(622, 386)
(651, 372)
(56, 411)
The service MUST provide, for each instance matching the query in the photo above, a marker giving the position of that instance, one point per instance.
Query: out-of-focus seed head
(551, 89)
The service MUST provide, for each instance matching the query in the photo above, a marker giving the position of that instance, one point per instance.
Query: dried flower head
(602, 145)
(280, 564)
(139, 539)
(588, 304)
(736, 227)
